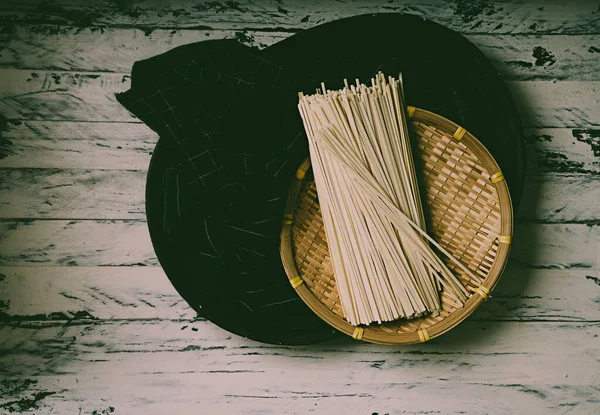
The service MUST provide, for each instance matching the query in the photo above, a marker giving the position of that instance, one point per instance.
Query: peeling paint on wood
(85, 308)
(130, 293)
(127, 243)
(61, 96)
(557, 104)
(77, 49)
(78, 194)
(77, 145)
(517, 57)
(167, 368)
(5, 143)
(68, 144)
(562, 149)
(556, 246)
(75, 243)
(590, 137)
(560, 197)
(119, 194)
(466, 16)
(90, 292)
(21, 395)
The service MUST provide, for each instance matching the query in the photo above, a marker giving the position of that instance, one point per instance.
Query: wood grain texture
(76, 145)
(562, 150)
(76, 48)
(63, 96)
(516, 57)
(119, 194)
(70, 144)
(120, 293)
(544, 295)
(557, 104)
(561, 246)
(539, 57)
(89, 323)
(72, 194)
(75, 243)
(126, 243)
(78, 96)
(515, 16)
(74, 293)
(560, 197)
(477, 368)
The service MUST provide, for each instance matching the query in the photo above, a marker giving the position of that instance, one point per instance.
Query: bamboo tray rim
(416, 115)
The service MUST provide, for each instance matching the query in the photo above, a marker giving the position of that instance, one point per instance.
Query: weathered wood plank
(74, 293)
(120, 194)
(63, 96)
(557, 104)
(539, 57)
(75, 243)
(559, 197)
(76, 48)
(562, 150)
(69, 194)
(478, 368)
(544, 294)
(517, 57)
(69, 144)
(125, 243)
(248, 393)
(76, 145)
(556, 246)
(74, 96)
(516, 16)
(71, 293)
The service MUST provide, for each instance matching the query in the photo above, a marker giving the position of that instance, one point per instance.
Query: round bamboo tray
(469, 213)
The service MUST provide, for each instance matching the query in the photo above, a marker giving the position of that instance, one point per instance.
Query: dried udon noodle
(384, 265)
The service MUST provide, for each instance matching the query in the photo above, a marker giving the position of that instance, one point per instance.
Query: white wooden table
(90, 324)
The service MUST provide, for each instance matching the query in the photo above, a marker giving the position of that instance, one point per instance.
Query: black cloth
(231, 139)
(216, 106)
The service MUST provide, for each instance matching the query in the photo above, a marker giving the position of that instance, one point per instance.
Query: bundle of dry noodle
(361, 157)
